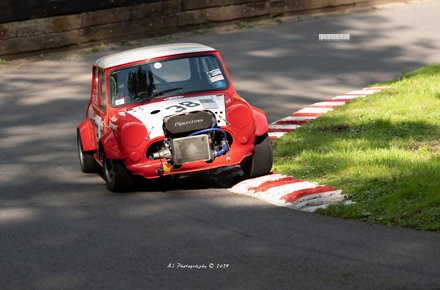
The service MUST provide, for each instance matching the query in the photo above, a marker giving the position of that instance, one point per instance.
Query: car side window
(102, 102)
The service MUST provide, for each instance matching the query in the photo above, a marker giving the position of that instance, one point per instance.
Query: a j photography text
(197, 266)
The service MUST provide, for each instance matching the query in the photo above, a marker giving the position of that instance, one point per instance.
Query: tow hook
(160, 170)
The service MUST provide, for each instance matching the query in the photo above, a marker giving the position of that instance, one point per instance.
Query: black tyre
(86, 159)
(260, 162)
(116, 175)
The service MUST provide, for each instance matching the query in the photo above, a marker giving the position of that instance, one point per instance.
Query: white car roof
(149, 52)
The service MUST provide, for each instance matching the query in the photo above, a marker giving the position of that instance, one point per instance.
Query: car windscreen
(164, 78)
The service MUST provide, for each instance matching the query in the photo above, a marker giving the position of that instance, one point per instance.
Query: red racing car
(165, 110)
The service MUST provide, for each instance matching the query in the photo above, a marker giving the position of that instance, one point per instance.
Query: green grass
(3, 61)
(277, 20)
(382, 150)
(199, 32)
(243, 25)
(96, 49)
(55, 53)
(125, 43)
(169, 38)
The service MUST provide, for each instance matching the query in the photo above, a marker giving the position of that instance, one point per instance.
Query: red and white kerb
(294, 121)
(284, 190)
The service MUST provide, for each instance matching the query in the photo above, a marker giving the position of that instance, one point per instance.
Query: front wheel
(116, 175)
(86, 159)
(260, 162)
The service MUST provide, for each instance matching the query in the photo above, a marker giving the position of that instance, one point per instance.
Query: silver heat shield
(190, 149)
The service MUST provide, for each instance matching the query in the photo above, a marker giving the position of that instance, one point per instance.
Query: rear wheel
(260, 162)
(86, 159)
(116, 175)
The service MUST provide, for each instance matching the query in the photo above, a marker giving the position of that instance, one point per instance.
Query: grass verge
(383, 151)
(199, 32)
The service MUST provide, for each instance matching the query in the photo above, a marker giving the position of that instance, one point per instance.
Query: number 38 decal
(182, 105)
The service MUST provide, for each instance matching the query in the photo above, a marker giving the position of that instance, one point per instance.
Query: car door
(98, 109)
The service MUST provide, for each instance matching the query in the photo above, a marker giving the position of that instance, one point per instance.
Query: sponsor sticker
(216, 78)
(172, 98)
(214, 72)
(112, 126)
(166, 168)
(157, 65)
(220, 84)
(120, 102)
(180, 124)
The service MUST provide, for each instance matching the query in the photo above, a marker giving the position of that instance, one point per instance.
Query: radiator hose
(224, 147)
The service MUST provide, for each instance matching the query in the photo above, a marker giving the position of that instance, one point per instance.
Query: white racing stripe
(329, 104)
(319, 201)
(287, 126)
(348, 97)
(314, 110)
(377, 89)
(276, 134)
(297, 118)
(373, 91)
(360, 92)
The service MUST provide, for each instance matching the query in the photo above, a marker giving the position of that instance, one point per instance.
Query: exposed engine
(190, 137)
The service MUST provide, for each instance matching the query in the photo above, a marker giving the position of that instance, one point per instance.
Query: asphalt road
(62, 229)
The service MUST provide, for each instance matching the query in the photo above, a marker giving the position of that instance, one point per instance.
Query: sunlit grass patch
(382, 150)
(199, 32)
(243, 25)
(125, 42)
(96, 49)
(169, 38)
